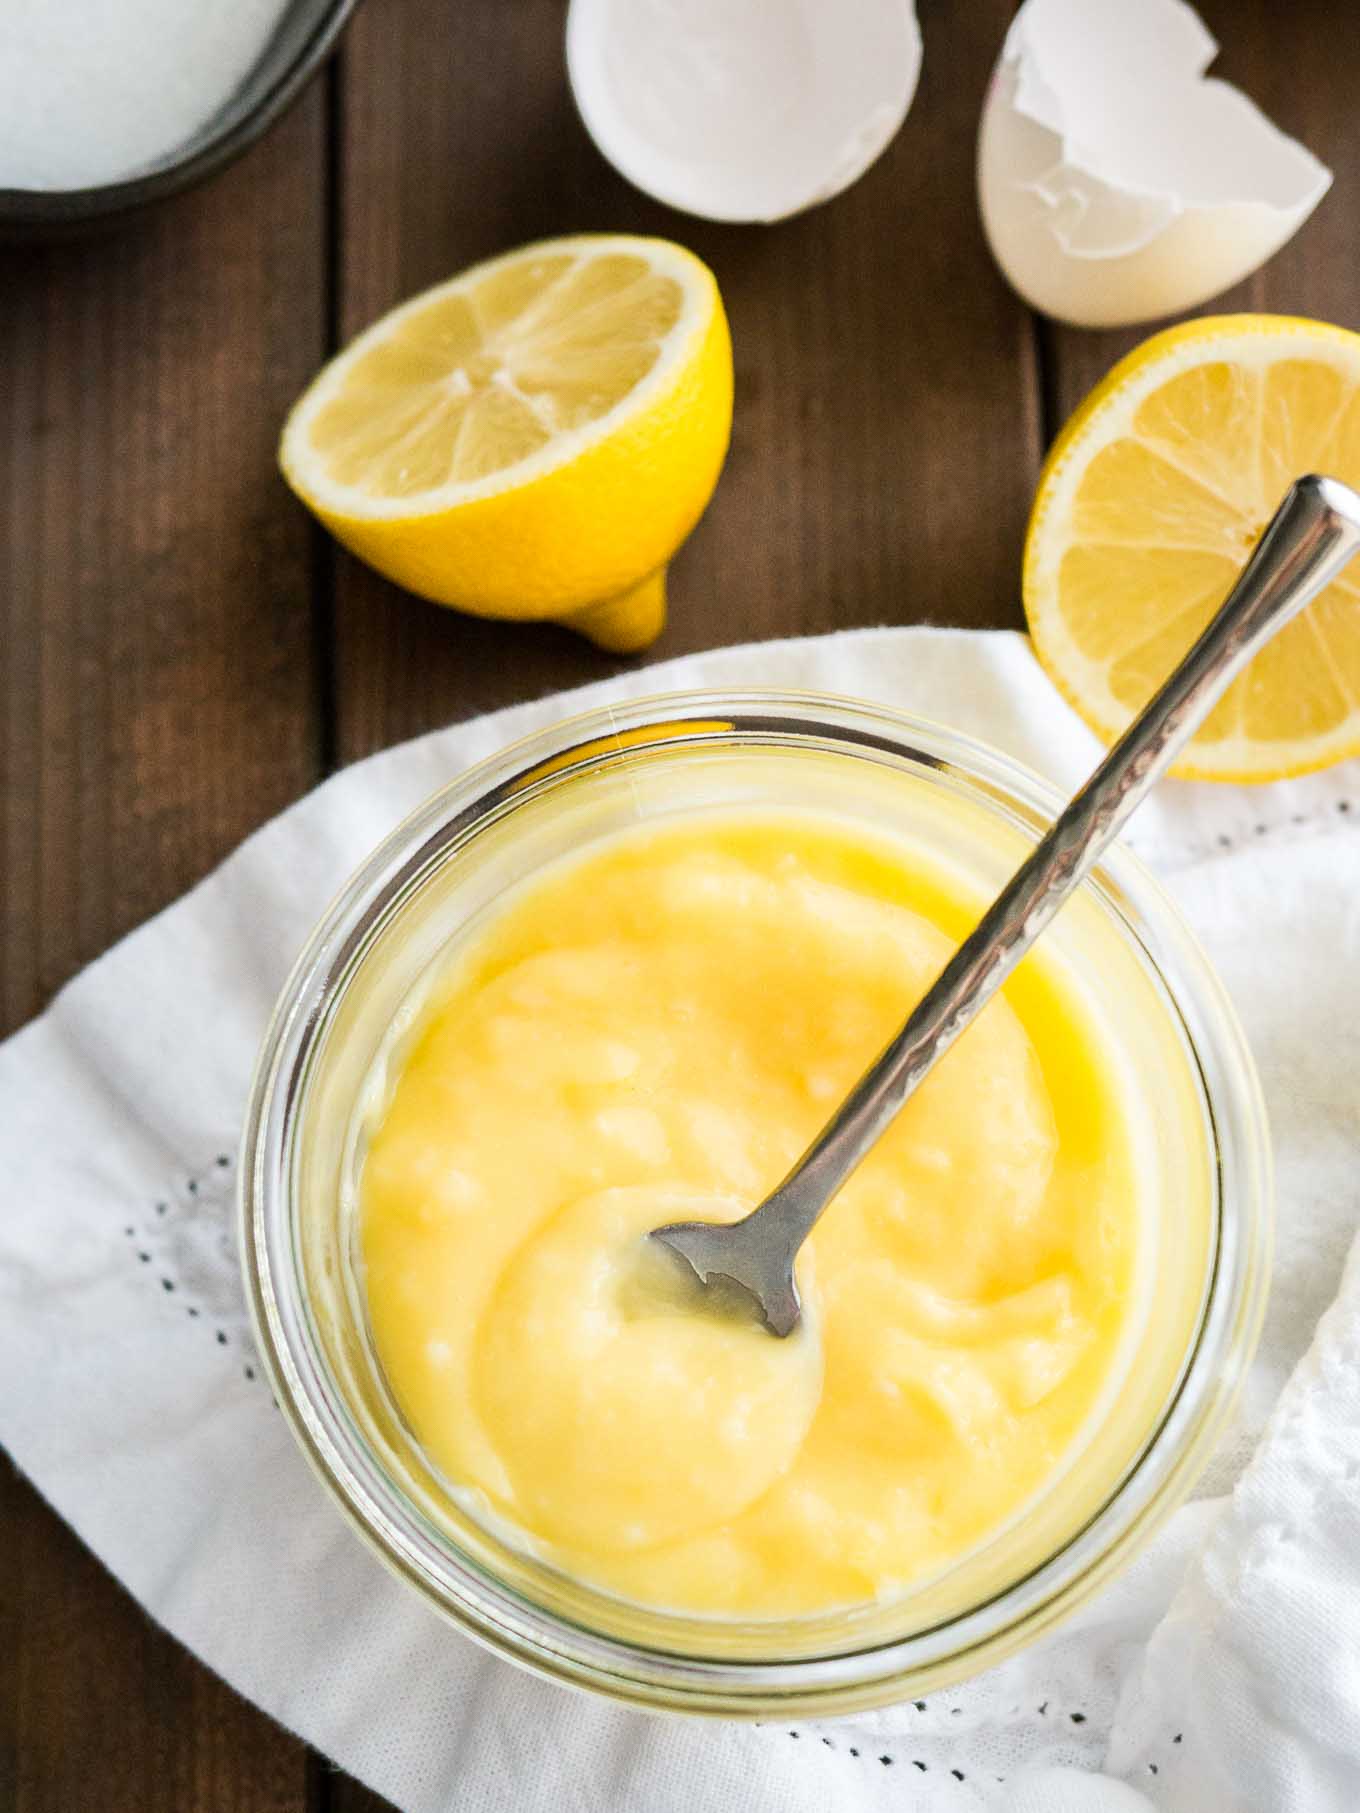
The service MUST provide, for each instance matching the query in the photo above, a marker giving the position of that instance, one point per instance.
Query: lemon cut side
(532, 439)
(1147, 508)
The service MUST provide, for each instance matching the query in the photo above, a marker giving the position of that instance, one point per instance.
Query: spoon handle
(1309, 540)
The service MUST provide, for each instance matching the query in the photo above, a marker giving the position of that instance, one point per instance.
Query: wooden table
(182, 653)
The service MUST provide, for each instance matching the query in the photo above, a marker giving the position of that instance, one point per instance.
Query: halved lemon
(533, 439)
(1147, 507)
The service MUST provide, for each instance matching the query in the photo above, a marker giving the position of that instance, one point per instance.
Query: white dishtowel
(1222, 1673)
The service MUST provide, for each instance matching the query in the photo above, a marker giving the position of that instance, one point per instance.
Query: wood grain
(886, 429)
(158, 693)
(157, 700)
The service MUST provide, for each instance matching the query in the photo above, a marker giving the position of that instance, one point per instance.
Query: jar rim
(495, 1612)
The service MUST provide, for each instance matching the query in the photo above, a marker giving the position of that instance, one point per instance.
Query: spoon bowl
(752, 1254)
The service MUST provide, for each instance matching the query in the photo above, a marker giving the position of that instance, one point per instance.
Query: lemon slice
(1146, 510)
(533, 439)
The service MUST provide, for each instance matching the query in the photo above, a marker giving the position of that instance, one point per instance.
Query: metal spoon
(1311, 537)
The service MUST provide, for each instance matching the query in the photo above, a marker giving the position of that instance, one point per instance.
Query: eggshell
(743, 110)
(1117, 182)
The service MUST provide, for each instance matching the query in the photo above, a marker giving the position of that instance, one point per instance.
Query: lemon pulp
(1147, 508)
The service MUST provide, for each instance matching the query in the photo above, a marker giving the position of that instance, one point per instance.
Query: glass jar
(361, 974)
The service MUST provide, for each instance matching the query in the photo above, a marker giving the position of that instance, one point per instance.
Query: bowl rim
(509, 1622)
(236, 132)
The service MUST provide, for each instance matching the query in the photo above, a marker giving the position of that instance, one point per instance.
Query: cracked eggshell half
(743, 110)
(1118, 183)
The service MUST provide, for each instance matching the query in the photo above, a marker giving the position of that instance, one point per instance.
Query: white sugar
(95, 90)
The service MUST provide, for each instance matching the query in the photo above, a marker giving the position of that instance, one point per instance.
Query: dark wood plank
(158, 694)
(157, 700)
(886, 420)
(345, 1795)
(1302, 70)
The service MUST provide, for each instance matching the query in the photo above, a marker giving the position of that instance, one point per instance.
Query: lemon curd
(668, 1018)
